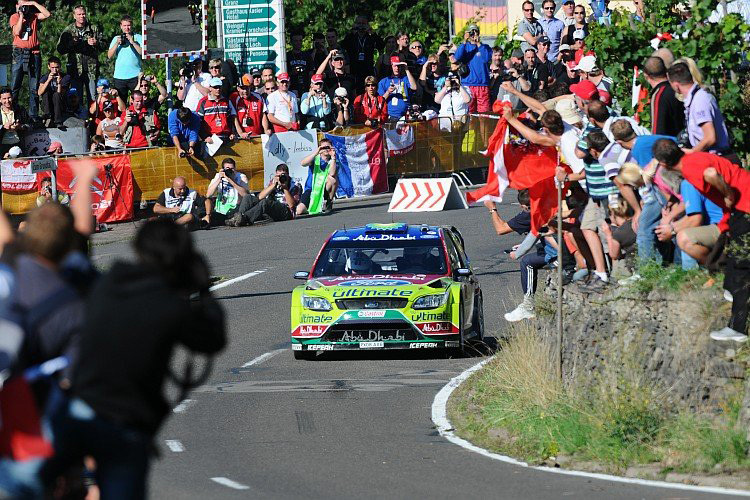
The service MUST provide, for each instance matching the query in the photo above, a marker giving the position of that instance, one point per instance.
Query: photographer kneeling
(277, 201)
(183, 205)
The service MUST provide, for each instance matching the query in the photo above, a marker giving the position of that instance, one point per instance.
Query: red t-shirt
(28, 38)
(369, 108)
(250, 112)
(695, 164)
(217, 115)
(138, 140)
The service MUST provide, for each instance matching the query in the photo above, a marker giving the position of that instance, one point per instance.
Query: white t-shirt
(453, 104)
(192, 95)
(284, 107)
(568, 142)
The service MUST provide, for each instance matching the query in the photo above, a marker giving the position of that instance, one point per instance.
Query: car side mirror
(301, 275)
(462, 271)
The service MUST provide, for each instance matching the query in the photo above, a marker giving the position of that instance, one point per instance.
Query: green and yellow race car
(387, 286)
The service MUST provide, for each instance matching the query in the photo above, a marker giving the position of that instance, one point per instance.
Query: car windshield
(348, 259)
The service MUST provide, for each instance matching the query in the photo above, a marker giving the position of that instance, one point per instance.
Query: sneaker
(728, 296)
(595, 285)
(630, 280)
(727, 333)
(235, 221)
(580, 274)
(328, 207)
(523, 311)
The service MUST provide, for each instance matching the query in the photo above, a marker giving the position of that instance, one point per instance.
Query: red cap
(585, 89)
(395, 60)
(317, 77)
(283, 76)
(605, 97)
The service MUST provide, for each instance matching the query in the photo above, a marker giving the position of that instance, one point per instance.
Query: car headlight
(315, 303)
(431, 301)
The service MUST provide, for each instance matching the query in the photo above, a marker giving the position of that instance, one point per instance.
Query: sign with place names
(288, 148)
(43, 165)
(253, 33)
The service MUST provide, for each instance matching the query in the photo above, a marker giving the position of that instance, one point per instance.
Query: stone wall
(659, 338)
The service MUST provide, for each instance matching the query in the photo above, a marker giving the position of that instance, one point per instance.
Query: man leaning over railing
(184, 127)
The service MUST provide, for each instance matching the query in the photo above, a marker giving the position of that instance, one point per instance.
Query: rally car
(387, 286)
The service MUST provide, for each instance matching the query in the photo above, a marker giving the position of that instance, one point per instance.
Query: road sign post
(48, 164)
(252, 33)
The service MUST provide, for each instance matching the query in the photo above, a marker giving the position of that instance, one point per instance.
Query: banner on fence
(400, 140)
(17, 176)
(288, 148)
(111, 189)
(360, 163)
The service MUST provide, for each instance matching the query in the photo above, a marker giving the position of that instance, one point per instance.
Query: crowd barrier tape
(441, 146)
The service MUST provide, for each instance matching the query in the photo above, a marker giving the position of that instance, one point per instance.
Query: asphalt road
(173, 30)
(345, 426)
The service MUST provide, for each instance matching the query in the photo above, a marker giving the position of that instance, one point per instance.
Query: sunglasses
(417, 47)
(528, 10)
(214, 67)
(318, 83)
(215, 87)
(549, 8)
(579, 12)
(283, 82)
(269, 89)
(369, 85)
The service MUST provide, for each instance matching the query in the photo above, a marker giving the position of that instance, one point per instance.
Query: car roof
(398, 231)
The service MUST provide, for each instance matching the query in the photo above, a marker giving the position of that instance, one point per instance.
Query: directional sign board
(253, 33)
(43, 165)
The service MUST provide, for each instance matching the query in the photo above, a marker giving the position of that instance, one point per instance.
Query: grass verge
(516, 406)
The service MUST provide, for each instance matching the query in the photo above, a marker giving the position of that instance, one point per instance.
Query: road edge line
(445, 429)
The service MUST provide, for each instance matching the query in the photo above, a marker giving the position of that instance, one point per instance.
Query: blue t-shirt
(127, 60)
(478, 60)
(696, 203)
(398, 101)
(642, 151)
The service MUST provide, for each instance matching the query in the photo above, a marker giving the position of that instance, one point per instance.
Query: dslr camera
(284, 179)
(27, 10)
(187, 71)
(123, 39)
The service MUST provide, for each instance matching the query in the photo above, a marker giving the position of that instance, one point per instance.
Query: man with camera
(316, 106)
(144, 85)
(397, 89)
(52, 89)
(336, 75)
(360, 44)
(128, 47)
(15, 122)
(140, 125)
(322, 180)
(454, 99)
(230, 187)
(277, 201)
(82, 42)
(46, 195)
(27, 58)
(370, 108)
(183, 205)
(251, 110)
(477, 57)
(184, 129)
(105, 95)
(192, 86)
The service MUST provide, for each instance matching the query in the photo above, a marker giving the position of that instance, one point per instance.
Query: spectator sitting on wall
(82, 42)
(397, 89)
(15, 122)
(370, 108)
(277, 201)
(184, 129)
(109, 128)
(219, 115)
(283, 107)
(105, 94)
(229, 186)
(52, 90)
(193, 84)
(73, 105)
(251, 110)
(140, 126)
(144, 85)
(183, 205)
(127, 49)
(46, 196)
(322, 180)
(27, 58)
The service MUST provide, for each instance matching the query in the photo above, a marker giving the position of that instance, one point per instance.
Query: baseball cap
(579, 35)
(283, 77)
(585, 89)
(564, 46)
(215, 82)
(396, 60)
(566, 2)
(568, 111)
(472, 27)
(73, 91)
(52, 147)
(14, 152)
(102, 82)
(255, 72)
(341, 92)
(517, 53)
(246, 80)
(195, 57)
(543, 39)
(107, 106)
(337, 55)
(317, 77)
(530, 47)
(587, 64)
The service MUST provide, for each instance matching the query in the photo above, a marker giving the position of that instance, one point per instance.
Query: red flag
(543, 202)
(21, 436)
(376, 159)
(112, 192)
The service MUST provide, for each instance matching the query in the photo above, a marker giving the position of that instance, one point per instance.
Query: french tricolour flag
(360, 162)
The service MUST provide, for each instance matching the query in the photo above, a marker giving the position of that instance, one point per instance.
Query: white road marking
(175, 446)
(229, 483)
(184, 405)
(444, 427)
(263, 357)
(226, 283)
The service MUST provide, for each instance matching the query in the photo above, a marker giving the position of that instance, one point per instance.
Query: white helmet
(358, 262)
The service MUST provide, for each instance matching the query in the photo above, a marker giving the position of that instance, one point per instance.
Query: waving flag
(519, 167)
(399, 140)
(360, 164)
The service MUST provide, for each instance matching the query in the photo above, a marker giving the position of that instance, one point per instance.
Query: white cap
(579, 35)
(341, 92)
(215, 82)
(14, 152)
(587, 64)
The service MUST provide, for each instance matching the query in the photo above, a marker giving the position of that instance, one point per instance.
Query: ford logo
(371, 305)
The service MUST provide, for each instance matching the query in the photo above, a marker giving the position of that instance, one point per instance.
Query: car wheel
(305, 355)
(477, 322)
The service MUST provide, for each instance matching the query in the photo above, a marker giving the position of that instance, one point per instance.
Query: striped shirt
(218, 116)
(598, 184)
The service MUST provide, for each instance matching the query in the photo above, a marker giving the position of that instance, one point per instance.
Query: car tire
(305, 355)
(477, 322)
